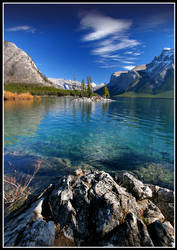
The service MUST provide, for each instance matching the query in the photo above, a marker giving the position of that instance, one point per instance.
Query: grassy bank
(36, 89)
(15, 96)
(166, 94)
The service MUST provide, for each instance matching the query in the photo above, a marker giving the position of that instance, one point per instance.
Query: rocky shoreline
(94, 208)
(93, 99)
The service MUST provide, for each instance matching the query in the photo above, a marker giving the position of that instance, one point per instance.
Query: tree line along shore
(13, 91)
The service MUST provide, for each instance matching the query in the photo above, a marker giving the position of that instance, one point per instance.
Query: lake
(130, 134)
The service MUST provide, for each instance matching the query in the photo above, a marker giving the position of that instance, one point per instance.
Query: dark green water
(130, 134)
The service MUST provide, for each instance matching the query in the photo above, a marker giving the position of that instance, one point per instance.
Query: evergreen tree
(83, 88)
(89, 79)
(89, 90)
(106, 92)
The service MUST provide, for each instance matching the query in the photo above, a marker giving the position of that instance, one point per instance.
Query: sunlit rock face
(92, 208)
(19, 67)
(153, 78)
(125, 78)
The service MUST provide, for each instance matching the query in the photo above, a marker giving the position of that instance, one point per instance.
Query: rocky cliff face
(93, 208)
(153, 78)
(19, 67)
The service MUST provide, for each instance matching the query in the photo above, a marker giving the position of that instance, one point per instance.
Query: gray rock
(16, 226)
(164, 199)
(19, 67)
(122, 79)
(40, 233)
(160, 234)
(138, 189)
(132, 232)
(149, 212)
(89, 208)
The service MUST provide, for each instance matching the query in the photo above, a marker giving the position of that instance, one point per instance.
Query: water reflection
(149, 123)
(83, 109)
(23, 117)
(105, 107)
(146, 109)
(16, 104)
(20, 118)
(112, 136)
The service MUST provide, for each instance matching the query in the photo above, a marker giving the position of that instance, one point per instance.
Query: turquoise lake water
(133, 134)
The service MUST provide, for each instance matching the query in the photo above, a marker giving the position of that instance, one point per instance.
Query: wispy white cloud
(109, 37)
(133, 53)
(136, 54)
(114, 46)
(128, 52)
(110, 56)
(126, 62)
(101, 26)
(167, 48)
(129, 67)
(21, 28)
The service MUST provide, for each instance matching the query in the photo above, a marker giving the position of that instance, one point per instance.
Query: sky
(76, 40)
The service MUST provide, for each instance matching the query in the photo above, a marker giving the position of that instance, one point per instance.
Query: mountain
(19, 67)
(65, 84)
(152, 78)
(72, 84)
(98, 86)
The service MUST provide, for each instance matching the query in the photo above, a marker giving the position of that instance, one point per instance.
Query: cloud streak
(129, 67)
(133, 53)
(102, 26)
(115, 46)
(109, 37)
(21, 28)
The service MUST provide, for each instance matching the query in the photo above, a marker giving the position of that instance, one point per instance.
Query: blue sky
(67, 40)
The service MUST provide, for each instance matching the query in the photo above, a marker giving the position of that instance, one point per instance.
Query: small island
(93, 99)
(89, 96)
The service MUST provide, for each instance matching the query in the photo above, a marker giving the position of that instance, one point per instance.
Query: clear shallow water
(130, 134)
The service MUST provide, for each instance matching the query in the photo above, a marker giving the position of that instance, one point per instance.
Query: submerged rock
(90, 208)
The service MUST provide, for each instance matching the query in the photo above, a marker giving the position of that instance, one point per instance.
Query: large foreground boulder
(90, 208)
